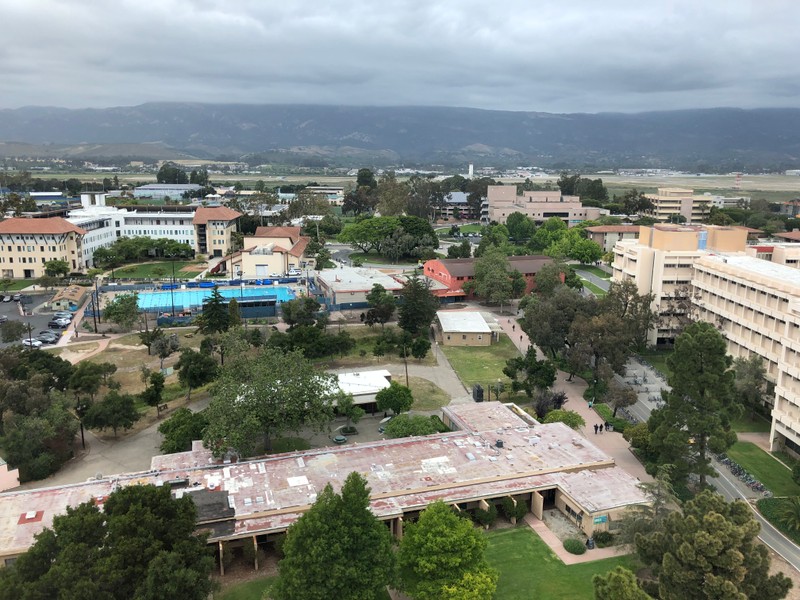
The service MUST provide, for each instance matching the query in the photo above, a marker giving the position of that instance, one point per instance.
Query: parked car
(63, 314)
(17, 297)
(294, 273)
(3, 318)
(6, 298)
(47, 337)
(58, 324)
(31, 343)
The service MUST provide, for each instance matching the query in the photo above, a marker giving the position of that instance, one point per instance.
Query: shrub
(574, 546)
(605, 413)
(249, 553)
(603, 539)
(796, 473)
(512, 511)
(486, 517)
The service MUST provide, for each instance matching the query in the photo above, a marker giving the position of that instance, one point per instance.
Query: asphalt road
(728, 486)
(600, 282)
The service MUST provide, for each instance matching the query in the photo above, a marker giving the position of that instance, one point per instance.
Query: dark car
(47, 337)
(57, 324)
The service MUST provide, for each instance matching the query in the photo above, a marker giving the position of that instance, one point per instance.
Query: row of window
(24, 259)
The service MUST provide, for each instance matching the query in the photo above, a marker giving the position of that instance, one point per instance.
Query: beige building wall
(757, 308)
(22, 256)
(451, 338)
(539, 206)
(9, 478)
(786, 254)
(219, 238)
(668, 202)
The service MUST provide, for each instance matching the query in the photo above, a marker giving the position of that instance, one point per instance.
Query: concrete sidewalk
(557, 546)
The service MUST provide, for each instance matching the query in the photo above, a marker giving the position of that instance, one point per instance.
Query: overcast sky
(537, 55)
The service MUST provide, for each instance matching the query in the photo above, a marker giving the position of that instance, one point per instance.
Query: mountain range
(726, 139)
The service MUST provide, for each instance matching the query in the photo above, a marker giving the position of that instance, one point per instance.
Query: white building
(364, 385)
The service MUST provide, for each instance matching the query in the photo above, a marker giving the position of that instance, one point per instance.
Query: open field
(365, 338)
(427, 395)
(764, 467)
(529, 569)
(594, 271)
(18, 284)
(747, 424)
(248, 590)
(154, 270)
(481, 364)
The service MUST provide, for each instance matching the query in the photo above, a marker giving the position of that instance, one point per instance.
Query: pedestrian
(513, 328)
(520, 338)
(595, 428)
(601, 427)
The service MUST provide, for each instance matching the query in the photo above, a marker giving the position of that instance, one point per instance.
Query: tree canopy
(418, 307)
(396, 398)
(123, 310)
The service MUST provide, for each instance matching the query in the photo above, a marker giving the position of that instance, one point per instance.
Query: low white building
(364, 385)
(347, 287)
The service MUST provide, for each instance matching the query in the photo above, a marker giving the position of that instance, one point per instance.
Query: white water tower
(471, 170)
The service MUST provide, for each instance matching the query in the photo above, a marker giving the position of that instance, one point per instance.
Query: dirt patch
(561, 527)
(76, 352)
(779, 565)
(196, 268)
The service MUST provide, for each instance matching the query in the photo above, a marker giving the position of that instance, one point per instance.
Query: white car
(32, 343)
(294, 273)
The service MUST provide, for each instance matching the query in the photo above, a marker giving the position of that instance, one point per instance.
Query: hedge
(574, 546)
(604, 410)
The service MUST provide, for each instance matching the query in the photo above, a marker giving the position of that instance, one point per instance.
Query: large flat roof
(268, 494)
(462, 322)
(786, 276)
(356, 279)
(362, 383)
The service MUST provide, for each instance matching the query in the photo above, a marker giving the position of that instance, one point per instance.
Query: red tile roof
(790, 235)
(613, 228)
(204, 214)
(293, 233)
(300, 247)
(52, 225)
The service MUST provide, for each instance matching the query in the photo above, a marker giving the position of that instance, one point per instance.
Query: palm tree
(789, 513)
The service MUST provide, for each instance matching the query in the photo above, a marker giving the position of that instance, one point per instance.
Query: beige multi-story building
(502, 200)
(270, 252)
(660, 262)
(214, 228)
(606, 236)
(782, 254)
(756, 305)
(669, 203)
(27, 244)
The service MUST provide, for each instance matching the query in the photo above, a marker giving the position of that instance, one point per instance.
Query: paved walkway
(557, 546)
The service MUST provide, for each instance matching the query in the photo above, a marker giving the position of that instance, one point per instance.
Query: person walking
(600, 427)
(595, 428)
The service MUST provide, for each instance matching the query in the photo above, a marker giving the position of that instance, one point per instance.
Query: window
(464, 336)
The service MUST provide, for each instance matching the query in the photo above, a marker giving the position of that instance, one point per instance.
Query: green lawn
(765, 468)
(594, 271)
(18, 285)
(365, 338)
(658, 359)
(529, 569)
(597, 291)
(148, 270)
(249, 590)
(745, 423)
(288, 444)
(481, 364)
(427, 395)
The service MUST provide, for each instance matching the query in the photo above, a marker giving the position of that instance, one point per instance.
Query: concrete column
(255, 552)
(483, 504)
(399, 525)
(221, 562)
(537, 505)
(513, 519)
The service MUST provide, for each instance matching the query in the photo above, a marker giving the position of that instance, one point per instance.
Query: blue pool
(187, 299)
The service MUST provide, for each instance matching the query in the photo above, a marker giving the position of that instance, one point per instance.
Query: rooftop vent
(499, 443)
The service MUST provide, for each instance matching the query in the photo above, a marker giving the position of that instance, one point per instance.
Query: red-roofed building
(270, 252)
(453, 273)
(213, 228)
(606, 236)
(27, 244)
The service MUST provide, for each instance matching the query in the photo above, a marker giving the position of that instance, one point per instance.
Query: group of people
(599, 428)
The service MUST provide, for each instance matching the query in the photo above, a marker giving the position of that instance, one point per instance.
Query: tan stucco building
(661, 260)
(502, 200)
(671, 202)
(27, 244)
(270, 252)
(606, 236)
(465, 328)
(214, 228)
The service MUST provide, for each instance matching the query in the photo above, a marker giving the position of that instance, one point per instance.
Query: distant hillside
(724, 138)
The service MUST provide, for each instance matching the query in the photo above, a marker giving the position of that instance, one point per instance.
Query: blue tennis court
(188, 299)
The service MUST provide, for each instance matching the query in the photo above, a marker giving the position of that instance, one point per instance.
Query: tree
(633, 309)
(548, 320)
(346, 406)
(171, 173)
(337, 549)
(234, 315)
(406, 425)
(635, 202)
(300, 311)
(520, 227)
(418, 307)
(536, 374)
(195, 369)
(750, 381)
(382, 305)
(56, 268)
(215, 317)
(420, 347)
(569, 417)
(710, 549)
(164, 346)
(462, 250)
(149, 337)
(12, 331)
(123, 310)
(545, 401)
(438, 551)
(181, 429)
(152, 394)
(117, 411)
(549, 278)
(86, 379)
(396, 398)
(492, 279)
(265, 395)
(619, 396)
(140, 542)
(618, 584)
(650, 516)
(601, 339)
(392, 195)
(698, 409)
(789, 513)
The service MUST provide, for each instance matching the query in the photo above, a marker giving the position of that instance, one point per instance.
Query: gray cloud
(581, 55)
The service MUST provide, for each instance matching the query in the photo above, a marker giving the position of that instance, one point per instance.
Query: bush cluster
(603, 539)
(574, 546)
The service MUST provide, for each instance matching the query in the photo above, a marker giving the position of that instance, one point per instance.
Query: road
(729, 487)
(600, 282)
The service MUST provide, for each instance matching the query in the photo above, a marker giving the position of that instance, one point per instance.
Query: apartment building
(782, 254)
(213, 229)
(502, 200)
(606, 236)
(756, 305)
(270, 252)
(671, 203)
(27, 244)
(661, 262)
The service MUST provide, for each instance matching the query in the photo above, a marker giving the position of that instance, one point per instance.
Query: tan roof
(204, 214)
(790, 235)
(300, 246)
(74, 293)
(41, 226)
(613, 228)
(293, 233)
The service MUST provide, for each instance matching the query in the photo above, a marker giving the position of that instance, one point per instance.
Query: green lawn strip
(427, 395)
(606, 413)
(745, 423)
(789, 461)
(481, 364)
(770, 509)
(249, 590)
(597, 291)
(288, 444)
(761, 465)
(148, 270)
(19, 284)
(594, 271)
(529, 569)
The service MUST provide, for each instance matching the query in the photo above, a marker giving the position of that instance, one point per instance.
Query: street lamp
(241, 304)
(172, 287)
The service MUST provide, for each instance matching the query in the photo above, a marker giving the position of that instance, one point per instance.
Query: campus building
(502, 200)
(670, 204)
(348, 287)
(27, 244)
(465, 328)
(270, 252)
(606, 236)
(496, 452)
(660, 262)
(756, 306)
(213, 229)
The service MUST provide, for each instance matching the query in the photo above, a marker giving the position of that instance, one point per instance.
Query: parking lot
(38, 321)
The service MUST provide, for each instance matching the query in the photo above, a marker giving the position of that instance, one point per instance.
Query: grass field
(481, 364)
(427, 395)
(18, 285)
(659, 360)
(764, 467)
(529, 569)
(597, 291)
(249, 590)
(757, 424)
(594, 271)
(183, 269)
(365, 338)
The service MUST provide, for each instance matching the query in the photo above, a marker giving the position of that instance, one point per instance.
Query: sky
(529, 55)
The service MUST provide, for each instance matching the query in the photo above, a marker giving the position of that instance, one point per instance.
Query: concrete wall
(465, 339)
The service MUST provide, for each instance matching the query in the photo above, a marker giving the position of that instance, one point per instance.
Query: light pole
(172, 287)
(241, 304)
